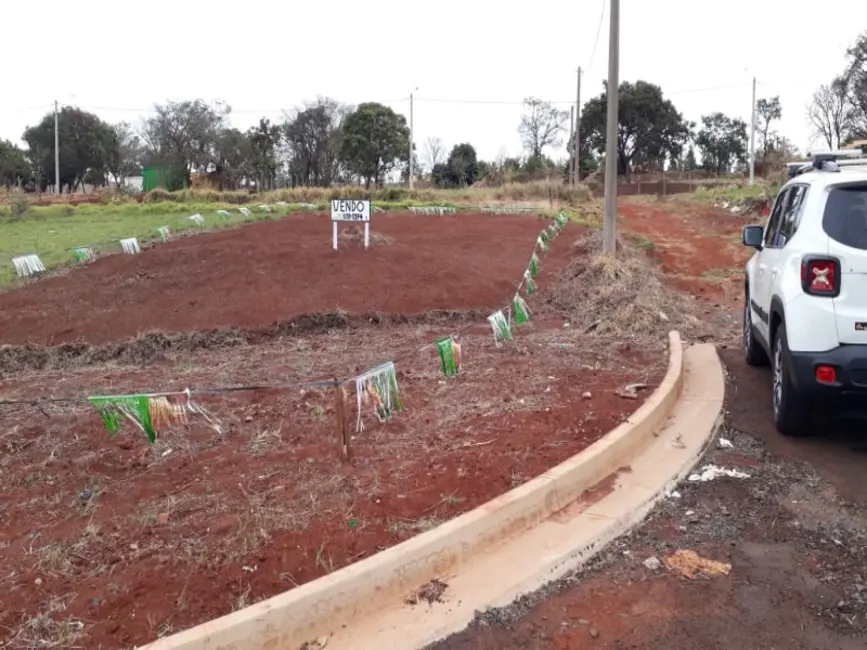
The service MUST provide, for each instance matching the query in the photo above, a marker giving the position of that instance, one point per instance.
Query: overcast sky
(477, 58)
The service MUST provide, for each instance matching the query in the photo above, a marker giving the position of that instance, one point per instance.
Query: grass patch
(51, 232)
(734, 193)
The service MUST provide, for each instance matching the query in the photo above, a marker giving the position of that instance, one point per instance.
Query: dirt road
(794, 530)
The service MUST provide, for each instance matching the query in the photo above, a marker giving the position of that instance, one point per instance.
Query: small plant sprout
(83, 254)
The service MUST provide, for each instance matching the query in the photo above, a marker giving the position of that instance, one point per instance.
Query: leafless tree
(829, 112)
(434, 153)
(541, 126)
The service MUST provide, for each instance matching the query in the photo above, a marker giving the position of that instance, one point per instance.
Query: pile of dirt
(624, 294)
(354, 235)
(152, 346)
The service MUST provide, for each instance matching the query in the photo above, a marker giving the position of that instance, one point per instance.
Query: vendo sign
(350, 210)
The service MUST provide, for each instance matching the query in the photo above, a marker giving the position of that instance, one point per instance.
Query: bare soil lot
(272, 271)
(111, 542)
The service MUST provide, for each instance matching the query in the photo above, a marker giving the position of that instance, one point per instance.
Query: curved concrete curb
(358, 592)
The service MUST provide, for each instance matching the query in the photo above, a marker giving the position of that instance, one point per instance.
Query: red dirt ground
(698, 246)
(109, 542)
(271, 271)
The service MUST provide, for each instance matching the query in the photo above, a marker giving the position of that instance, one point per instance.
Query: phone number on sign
(350, 217)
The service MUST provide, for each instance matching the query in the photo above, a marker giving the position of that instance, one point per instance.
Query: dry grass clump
(355, 235)
(620, 295)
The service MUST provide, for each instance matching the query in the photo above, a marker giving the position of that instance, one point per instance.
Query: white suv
(805, 291)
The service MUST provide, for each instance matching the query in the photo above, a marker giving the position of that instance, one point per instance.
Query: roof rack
(828, 161)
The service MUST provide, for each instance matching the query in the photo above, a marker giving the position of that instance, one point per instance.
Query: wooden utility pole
(571, 147)
(609, 225)
(341, 411)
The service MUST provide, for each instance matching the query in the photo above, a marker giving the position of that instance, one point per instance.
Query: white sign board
(350, 211)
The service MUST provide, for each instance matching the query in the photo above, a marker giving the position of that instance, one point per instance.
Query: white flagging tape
(437, 210)
(197, 219)
(307, 206)
(130, 246)
(165, 232)
(245, 211)
(28, 265)
(224, 213)
(282, 204)
(265, 207)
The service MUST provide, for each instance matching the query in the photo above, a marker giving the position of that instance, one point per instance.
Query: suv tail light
(820, 276)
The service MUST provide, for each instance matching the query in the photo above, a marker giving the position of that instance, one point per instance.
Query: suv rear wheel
(753, 352)
(790, 409)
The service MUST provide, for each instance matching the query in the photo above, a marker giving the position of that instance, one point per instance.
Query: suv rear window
(845, 218)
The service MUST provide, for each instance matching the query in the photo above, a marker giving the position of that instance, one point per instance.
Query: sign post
(352, 211)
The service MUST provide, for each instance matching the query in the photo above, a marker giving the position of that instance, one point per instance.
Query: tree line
(838, 110)
(325, 142)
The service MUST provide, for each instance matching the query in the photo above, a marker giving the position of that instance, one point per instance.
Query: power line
(596, 40)
(430, 100)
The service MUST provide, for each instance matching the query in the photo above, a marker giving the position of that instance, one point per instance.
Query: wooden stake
(341, 410)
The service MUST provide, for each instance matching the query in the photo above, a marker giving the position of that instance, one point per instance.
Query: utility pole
(576, 163)
(571, 136)
(753, 138)
(56, 152)
(411, 152)
(609, 226)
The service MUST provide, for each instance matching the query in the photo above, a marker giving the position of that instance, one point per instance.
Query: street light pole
(411, 147)
(56, 152)
(753, 138)
(576, 170)
(609, 226)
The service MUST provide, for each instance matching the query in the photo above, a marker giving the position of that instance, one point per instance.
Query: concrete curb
(291, 619)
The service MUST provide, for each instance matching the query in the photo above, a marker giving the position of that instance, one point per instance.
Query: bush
(18, 204)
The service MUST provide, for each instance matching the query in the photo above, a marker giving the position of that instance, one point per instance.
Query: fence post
(341, 410)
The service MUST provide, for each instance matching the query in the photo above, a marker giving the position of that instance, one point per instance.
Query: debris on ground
(652, 563)
(622, 294)
(431, 592)
(690, 564)
(713, 472)
(316, 644)
(724, 443)
(630, 391)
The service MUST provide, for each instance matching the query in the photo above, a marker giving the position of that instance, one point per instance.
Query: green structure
(166, 178)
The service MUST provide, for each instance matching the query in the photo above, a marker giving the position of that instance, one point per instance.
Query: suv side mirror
(753, 236)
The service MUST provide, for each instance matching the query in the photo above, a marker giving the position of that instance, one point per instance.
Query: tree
(374, 142)
(460, 170)
(184, 135)
(767, 111)
(541, 126)
(232, 156)
(434, 152)
(690, 164)
(312, 137)
(264, 141)
(855, 79)
(650, 129)
(127, 154)
(722, 141)
(829, 112)
(14, 168)
(86, 145)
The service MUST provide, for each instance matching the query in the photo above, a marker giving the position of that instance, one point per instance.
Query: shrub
(18, 204)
